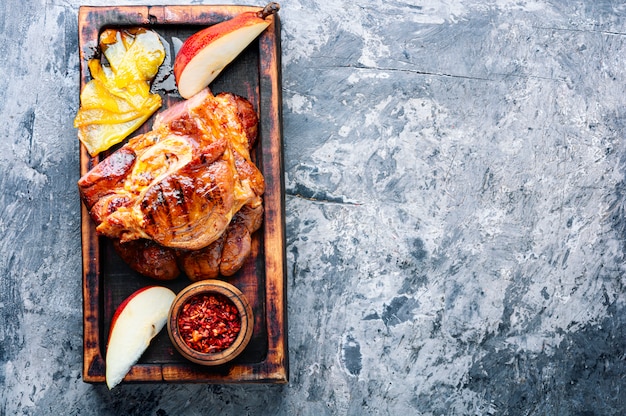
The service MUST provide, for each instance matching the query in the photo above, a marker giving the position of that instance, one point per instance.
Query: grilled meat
(176, 189)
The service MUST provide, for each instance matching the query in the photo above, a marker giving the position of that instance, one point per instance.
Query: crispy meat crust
(185, 196)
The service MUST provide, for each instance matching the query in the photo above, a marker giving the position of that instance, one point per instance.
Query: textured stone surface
(455, 213)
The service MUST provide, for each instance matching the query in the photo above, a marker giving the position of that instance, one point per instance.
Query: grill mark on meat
(147, 214)
(152, 207)
(167, 201)
(180, 197)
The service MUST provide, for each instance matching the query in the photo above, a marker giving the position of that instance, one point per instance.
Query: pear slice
(137, 320)
(204, 55)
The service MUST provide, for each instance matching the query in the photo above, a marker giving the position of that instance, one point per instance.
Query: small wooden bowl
(211, 287)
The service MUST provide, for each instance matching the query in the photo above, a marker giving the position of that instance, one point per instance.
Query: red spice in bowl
(210, 322)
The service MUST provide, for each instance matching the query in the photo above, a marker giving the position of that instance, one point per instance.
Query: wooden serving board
(107, 280)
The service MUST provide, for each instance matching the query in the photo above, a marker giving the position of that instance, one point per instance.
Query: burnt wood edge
(275, 367)
(276, 287)
(93, 361)
(102, 16)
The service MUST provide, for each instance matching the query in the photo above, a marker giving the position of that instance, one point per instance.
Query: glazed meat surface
(187, 186)
(226, 255)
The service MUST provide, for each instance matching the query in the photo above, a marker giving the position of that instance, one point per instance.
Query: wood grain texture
(107, 280)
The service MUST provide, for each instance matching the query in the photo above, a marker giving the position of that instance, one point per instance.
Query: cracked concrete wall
(455, 213)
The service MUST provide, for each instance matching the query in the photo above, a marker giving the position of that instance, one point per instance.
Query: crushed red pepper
(209, 323)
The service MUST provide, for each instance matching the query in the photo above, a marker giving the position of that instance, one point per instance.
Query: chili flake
(209, 323)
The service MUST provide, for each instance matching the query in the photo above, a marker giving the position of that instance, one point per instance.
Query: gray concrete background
(455, 203)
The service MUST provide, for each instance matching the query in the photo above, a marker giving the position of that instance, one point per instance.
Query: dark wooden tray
(256, 75)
